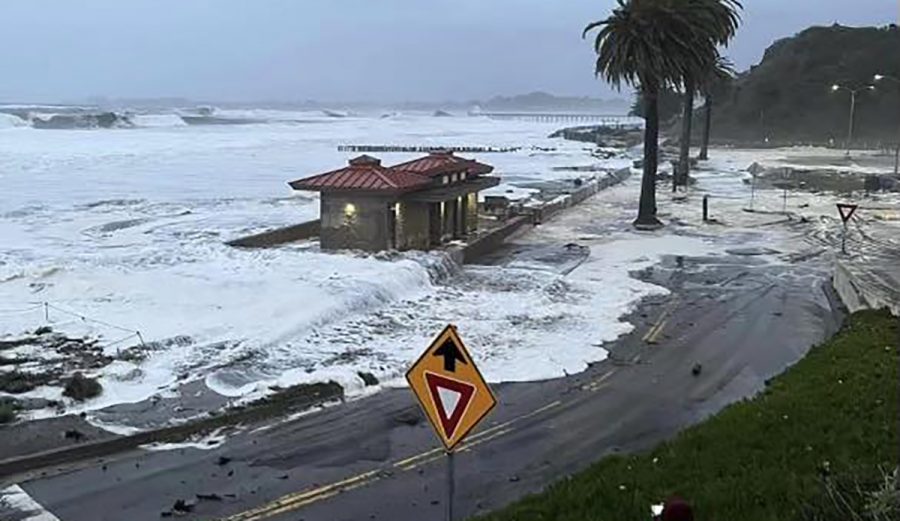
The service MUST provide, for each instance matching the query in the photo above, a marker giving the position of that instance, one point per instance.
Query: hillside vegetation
(787, 98)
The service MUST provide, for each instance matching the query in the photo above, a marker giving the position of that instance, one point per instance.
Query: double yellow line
(295, 501)
(652, 334)
(597, 384)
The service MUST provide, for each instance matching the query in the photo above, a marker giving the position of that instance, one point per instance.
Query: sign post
(450, 485)
(846, 211)
(452, 393)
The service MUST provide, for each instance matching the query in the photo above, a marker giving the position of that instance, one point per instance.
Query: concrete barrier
(493, 240)
(292, 400)
(579, 195)
(297, 232)
(861, 289)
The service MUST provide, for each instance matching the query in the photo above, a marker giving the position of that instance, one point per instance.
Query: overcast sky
(338, 50)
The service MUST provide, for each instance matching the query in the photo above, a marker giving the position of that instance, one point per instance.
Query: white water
(128, 226)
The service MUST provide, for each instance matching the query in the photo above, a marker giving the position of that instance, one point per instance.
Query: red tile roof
(437, 163)
(363, 173)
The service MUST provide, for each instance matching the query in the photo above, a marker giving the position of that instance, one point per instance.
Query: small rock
(697, 369)
(209, 497)
(411, 417)
(74, 434)
(514, 479)
(368, 378)
(183, 507)
(223, 460)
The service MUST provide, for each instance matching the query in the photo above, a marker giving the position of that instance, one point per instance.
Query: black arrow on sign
(451, 354)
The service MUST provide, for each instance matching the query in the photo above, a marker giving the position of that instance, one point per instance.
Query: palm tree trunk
(684, 159)
(707, 115)
(646, 219)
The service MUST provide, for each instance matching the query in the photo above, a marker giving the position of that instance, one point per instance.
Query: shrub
(81, 388)
(9, 412)
(16, 382)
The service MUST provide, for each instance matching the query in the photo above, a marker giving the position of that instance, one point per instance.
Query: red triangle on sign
(451, 399)
(846, 210)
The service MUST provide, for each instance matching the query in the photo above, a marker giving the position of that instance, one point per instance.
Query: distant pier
(608, 120)
(424, 148)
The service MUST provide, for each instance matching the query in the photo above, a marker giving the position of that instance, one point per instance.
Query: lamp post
(853, 93)
(883, 77)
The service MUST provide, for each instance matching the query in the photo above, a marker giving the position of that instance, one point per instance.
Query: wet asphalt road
(375, 458)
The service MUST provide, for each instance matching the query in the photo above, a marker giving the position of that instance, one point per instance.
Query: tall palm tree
(720, 20)
(653, 44)
(715, 83)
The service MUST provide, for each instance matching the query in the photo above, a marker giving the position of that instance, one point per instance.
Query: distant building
(419, 204)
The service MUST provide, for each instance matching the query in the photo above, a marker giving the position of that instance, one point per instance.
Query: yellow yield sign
(450, 388)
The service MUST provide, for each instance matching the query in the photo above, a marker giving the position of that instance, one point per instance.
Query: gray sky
(380, 50)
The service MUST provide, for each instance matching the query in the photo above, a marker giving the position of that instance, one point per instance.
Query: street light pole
(853, 93)
(880, 77)
(852, 114)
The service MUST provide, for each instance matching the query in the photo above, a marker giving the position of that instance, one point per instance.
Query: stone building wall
(354, 222)
(471, 203)
(412, 226)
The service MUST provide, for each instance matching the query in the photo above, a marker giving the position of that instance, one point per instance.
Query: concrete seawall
(861, 287)
(535, 216)
(271, 238)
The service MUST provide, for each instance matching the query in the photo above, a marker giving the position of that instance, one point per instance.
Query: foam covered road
(375, 458)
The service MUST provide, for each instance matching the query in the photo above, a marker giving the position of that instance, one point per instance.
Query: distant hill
(787, 98)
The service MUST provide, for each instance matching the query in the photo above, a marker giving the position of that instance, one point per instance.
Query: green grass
(833, 415)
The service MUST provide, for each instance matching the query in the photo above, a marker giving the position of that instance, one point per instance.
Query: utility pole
(897, 158)
(853, 93)
(881, 77)
(852, 114)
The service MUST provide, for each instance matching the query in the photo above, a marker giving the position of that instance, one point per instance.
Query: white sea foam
(157, 120)
(128, 227)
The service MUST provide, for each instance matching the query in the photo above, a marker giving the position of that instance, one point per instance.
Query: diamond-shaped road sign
(449, 388)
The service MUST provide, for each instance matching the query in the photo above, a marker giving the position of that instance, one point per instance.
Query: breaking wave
(158, 120)
(11, 121)
(81, 121)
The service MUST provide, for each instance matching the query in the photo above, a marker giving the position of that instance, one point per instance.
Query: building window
(349, 209)
(462, 176)
(446, 179)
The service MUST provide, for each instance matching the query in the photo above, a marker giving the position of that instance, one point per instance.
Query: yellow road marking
(652, 334)
(289, 499)
(463, 447)
(291, 502)
(597, 384)
(480, 434)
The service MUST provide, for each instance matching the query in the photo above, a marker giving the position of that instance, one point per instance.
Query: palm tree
(711, 87)
(720, 21)
(652, 44)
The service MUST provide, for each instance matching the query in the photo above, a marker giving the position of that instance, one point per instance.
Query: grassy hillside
(816, 445)
(787, 97)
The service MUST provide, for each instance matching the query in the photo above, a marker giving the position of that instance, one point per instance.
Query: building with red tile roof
(419, 204)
